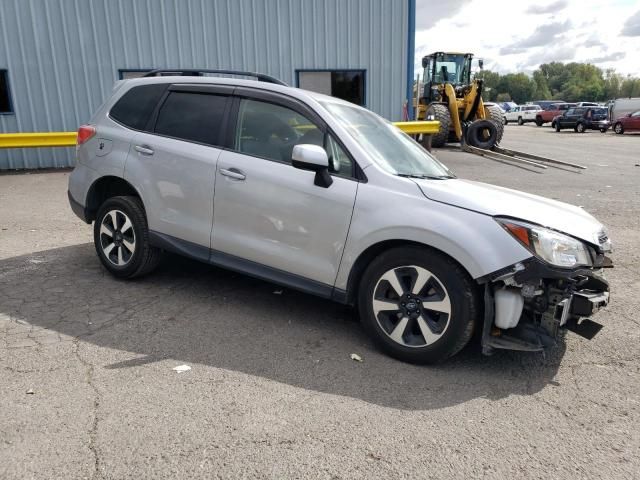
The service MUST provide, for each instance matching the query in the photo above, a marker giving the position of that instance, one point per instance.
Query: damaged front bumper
(528, 305)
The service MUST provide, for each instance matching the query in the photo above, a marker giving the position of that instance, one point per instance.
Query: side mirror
(481, 63)
(315, 159)
(425, 62)
(628, 114)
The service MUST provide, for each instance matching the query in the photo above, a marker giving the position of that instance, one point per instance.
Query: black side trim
(181, 247)
(79, 209)
(202, 88)
(270, 274)
(231, 262)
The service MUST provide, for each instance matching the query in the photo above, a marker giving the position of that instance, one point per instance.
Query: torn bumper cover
(528, 305)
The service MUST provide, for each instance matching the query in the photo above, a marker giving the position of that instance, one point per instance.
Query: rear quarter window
(136, 106)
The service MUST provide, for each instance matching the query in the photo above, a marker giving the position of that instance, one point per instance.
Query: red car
(628, 123)
(552, 111)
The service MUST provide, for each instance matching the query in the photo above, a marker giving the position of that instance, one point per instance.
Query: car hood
(499, 201)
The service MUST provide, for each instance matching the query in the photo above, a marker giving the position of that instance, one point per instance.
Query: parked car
(508, 106)
(628, 123)
(582, 119)
(588, 104)
(320, 195)
(621, 107)
(546, 104)
(552, 112)
(522, 114)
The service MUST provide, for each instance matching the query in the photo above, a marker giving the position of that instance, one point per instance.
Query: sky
(517, 36)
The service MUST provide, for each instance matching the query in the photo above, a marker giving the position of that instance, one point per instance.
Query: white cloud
(517, 37)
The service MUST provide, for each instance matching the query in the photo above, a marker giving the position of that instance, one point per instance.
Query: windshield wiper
(424, 176)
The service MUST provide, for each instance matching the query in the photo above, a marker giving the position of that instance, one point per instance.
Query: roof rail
(194, 72)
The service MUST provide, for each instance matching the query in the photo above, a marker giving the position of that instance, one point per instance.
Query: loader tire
(441, 114)
(482, 134)
(494, 114)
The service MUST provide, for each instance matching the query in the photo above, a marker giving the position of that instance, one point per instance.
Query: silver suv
(320, 195)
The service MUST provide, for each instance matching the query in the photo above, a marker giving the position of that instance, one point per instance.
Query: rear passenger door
(175, 163)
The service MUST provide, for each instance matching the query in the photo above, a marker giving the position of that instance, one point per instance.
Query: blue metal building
(60, 58)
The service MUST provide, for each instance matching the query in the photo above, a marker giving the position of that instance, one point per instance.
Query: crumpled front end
(528, 304)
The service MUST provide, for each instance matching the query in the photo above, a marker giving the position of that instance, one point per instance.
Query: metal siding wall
(63, 56)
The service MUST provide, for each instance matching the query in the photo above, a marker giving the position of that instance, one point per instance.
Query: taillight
(85, 132)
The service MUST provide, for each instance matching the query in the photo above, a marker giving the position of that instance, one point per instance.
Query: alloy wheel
(117, 238)
(411, 306)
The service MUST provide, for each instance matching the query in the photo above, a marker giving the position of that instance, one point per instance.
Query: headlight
(548, 245)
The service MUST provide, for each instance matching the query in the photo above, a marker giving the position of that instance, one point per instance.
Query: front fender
(474, 240)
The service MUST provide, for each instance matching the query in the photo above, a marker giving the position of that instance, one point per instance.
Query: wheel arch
(370, 253)
(103, 189)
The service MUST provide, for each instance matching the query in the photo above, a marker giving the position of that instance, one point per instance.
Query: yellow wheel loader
(452, 98)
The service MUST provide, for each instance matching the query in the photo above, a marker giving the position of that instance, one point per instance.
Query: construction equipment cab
(452, 98)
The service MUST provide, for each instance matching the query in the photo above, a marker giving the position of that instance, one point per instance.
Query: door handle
(233, 173)
(144, 149)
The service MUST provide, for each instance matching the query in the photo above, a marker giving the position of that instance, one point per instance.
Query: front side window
(136, 106)
(636, 114)
(390, 148)
(195, 117)
(271, 131)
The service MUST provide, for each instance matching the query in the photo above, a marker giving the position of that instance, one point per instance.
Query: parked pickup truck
(522, 114)
(552, 112)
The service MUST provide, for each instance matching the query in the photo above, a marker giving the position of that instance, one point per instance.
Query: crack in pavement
(93, 431)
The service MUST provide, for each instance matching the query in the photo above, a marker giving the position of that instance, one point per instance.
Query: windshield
(389, 147)
(451, 69)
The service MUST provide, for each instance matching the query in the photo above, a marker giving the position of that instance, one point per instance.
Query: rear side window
(195, 117)
(136, 106)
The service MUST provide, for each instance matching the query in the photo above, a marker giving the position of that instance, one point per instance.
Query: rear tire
(539, 121)
(580, 128)
(494, 114)
(121, 238)
(441, 114)
(418, 324)
(505, 121)
(520, 121)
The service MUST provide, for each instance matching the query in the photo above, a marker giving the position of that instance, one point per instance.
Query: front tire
(557, 127)
(418, 305)
(618, 128)
(539, 121)
(494, 114)
(121, 238)
(441, 113)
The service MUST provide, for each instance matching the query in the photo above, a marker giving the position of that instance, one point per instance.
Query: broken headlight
(553, 247)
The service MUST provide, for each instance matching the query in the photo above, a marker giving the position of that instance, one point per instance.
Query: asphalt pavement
(88, 390)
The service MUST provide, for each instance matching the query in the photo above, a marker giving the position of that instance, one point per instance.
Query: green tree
(518, 85)
(503, 97)
(490, 87)
(612, 83)
(541, 91)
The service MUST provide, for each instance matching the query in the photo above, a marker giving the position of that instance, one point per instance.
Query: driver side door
(269, 217)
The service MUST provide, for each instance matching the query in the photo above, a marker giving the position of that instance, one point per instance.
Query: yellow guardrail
(415, 128)
(37, 139)
(68, 139)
